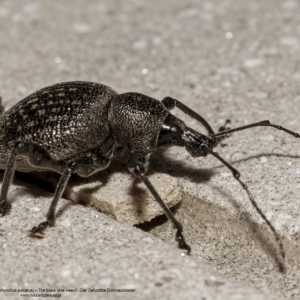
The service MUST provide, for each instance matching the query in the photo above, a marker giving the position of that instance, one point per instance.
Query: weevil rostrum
(78, 127)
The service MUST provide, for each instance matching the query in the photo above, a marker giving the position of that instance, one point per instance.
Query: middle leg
(84, 166)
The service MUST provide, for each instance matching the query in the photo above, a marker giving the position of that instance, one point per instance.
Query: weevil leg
(38, 231)
(171, 103)
(84, 166)
(5, 205)
(138, 164)
(37, 156)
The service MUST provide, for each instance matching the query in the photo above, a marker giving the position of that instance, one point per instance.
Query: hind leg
(37, 156)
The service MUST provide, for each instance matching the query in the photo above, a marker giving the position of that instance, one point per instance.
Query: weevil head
(174, 132)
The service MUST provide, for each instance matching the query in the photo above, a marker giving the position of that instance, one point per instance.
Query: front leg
(138, 164)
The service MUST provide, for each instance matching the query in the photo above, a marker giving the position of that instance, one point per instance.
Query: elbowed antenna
(265, 123)
(236, 174)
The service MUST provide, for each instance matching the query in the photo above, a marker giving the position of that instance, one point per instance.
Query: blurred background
(211, 54)
(235, 60)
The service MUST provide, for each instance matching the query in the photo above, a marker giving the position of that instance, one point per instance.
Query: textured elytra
(68, 119)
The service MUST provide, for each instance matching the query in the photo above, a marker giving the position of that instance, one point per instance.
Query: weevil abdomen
(66, 118)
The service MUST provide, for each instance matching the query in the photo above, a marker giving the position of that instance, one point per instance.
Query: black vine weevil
(77, 127)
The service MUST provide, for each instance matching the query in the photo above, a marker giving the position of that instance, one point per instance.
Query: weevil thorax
(174, 132)
(135, 120)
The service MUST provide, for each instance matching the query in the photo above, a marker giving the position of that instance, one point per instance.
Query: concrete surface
(117, 193)
(224, 59)
(87, 250)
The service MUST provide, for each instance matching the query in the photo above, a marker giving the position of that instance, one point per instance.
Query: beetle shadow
(259, 156)
(63, 209)
(21, 180)
(263, 237)
(48, 181)
(267, 243)
(161, 162)
(137, 193)
(158, 221)
(164, 163)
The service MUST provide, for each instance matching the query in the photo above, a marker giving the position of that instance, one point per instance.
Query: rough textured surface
(120, 194)
(224, 59)
(235, 245)
(87, 250)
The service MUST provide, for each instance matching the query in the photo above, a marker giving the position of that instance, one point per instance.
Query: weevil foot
(4, 208)
(182, 246)
(38, 232)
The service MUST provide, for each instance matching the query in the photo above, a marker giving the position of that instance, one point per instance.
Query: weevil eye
(176, 132)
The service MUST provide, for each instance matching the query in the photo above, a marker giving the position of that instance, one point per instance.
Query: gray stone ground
(235, 60)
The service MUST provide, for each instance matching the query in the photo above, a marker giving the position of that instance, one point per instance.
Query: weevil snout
(174, 132)
(193, 141)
